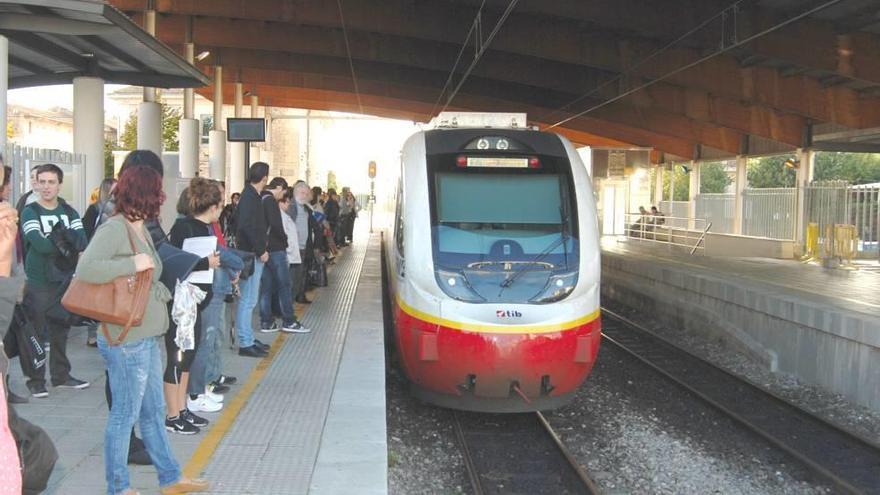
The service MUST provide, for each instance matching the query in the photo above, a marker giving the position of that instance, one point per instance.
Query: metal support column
(188, 130)
(217, 136)
(237, 163)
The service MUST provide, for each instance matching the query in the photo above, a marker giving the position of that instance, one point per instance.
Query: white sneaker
(211, 395)
(297, 327)
(270, 329)
(203, 404)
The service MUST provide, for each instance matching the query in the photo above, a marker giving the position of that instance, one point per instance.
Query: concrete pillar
(190, 138)
(671, 187)
(742, 163)
(4, 87)
(693, 192)
(255, 104)
(658, 185)
(149, 130)
(217, 137)
(189, 97)
(807, 164)
(150, 27)
(239, 99)
(217, 155)
(88, 127)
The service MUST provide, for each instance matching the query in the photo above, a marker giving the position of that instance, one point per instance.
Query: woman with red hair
(134, 368)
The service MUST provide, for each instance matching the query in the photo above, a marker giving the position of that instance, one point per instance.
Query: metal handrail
(644, 228)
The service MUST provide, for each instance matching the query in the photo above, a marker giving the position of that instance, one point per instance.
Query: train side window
(398, 220)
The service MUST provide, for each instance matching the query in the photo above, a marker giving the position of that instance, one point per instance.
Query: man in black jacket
(251, 236)
(276, 275)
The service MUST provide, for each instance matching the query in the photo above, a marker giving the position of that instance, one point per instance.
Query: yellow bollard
(811, 246)
(846, 239)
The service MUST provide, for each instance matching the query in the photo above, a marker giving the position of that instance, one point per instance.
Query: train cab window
(505, 234)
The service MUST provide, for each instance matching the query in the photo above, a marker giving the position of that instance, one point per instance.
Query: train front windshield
(503, 234)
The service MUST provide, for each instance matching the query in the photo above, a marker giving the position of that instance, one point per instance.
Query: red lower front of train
(491, 371)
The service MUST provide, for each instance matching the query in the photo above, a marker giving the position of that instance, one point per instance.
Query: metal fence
(22, 159)
(837, 202)
(717, 208)
(770, 212)
(677, 213)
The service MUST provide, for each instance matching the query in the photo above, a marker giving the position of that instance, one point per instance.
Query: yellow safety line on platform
(205, 451)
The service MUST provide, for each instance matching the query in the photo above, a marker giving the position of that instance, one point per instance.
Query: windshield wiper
(563, 239)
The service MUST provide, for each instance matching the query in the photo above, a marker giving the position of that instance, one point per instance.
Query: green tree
(713, 178)
(109, 147)
(331, 181)
(170, 126)
(682, 183)
(770, 171)
(857, 168)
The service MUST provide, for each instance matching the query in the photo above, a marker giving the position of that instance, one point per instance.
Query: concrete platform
(310, 418)
(822, 326)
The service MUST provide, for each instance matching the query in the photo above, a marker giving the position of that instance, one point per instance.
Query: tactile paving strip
(274, 443)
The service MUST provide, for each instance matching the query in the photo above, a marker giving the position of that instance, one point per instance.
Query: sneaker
(227, 380)
(193, 419)
(252, 351)
(203, 404)
(218, 388)
(38, 390)
(73, 383)
(214, 396)
(181, 426)
(296, 327)
(261, 345)
(269, 328)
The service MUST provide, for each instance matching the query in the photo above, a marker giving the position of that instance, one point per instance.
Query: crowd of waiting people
(272, 242)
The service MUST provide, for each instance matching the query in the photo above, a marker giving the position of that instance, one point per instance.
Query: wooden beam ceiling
(562, 48)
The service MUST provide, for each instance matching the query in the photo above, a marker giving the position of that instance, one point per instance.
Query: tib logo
(501, 313)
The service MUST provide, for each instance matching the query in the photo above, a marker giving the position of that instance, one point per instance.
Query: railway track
(517, 454)
(849, 462)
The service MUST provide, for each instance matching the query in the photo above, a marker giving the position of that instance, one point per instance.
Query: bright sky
(46, 97)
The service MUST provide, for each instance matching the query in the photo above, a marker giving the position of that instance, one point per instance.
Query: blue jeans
(208, 358)
(135, 373)
(244, 315)
(276, 284)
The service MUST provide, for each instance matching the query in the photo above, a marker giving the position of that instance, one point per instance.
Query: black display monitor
(246, 130)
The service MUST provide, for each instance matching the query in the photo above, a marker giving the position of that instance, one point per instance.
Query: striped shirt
(36, 224)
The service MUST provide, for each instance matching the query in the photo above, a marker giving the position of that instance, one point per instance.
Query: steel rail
(478, 456)
(758, 410)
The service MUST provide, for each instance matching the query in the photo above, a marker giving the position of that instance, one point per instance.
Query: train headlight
(558, 286)
(456, 286)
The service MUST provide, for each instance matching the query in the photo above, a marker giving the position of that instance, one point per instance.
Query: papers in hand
(202, 247)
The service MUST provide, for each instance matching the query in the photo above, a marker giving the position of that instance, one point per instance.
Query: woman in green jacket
(134, 367)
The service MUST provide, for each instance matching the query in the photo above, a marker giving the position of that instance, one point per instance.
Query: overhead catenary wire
(458, 58)
(481, 46)
(685, 67)
(354, 80)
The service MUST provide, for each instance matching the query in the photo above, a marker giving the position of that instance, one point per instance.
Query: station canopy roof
(55, 41)
(688, 78)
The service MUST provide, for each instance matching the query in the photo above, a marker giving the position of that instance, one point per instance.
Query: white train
(492, 266)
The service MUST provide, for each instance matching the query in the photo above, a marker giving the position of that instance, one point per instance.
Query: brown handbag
(122, 301)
